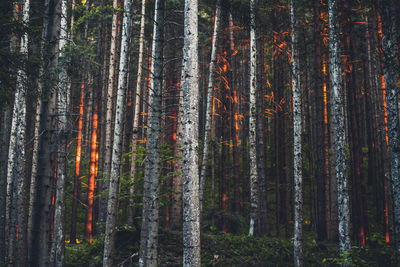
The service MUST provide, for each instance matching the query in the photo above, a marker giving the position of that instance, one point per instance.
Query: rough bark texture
(297, 132)
(16, 180)
(109, 111)
(337, 106)
(112, 207)
(190, 172)
(392, 89)
(58, 245)
(210, 93)
(252, 122)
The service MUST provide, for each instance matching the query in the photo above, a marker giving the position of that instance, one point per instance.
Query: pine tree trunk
(138, 96)
(252, 122)
(112, 207)
(39, 243)
(154, 136)
(210, 93)
(16, 163)
(392, 89)
(109, 111)
(339, 127)
(297, 132)
(58, 245)
(190, 173)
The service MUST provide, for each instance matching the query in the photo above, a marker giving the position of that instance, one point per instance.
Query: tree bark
(252, 122)
(135, 130)
(297, 132)
(339, 127)
(190, 172)
(58, 245)
(109, 110)
(392, 89)
(210, 94)
(112, 207)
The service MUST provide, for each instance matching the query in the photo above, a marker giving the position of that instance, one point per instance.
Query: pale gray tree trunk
(337, 106)
(190, 171)
(154, 135)
(297, 131)
(109, 111)
(252, 121)
(210, 94)
(112, 207)
(58, 245)
(16, 155)
(135, 130)
(5, 141)
(392, 90)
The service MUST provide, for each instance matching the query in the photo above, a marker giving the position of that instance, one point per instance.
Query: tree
(210, 94)
(297, 132)
(112, 207)
(190, 172)
(58, 245)
(16, 179)
(109, 109)
(252, 121)
(392, 90)
(337, 106)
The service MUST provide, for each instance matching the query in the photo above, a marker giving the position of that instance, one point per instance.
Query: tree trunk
(210, 93)
(5, 142)
(109, 111)
(135, 130)
(190, 173)
(392, 89)
(297, 132)
(39, 243)
(154, 136)
(112, 207)
(252, 121)
(339, 127)
(58, 245)
(16, 179)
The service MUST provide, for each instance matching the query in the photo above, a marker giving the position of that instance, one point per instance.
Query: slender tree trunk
(392, 89)
(210, 93)
(190, 173)
(5, 142)
(252, 121)
(109, 110)
(112, 207)
(154, 136)
(339, 127)
(135, 130)
(58, 245)
(297, 132)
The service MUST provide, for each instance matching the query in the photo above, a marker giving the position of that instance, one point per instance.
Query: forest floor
(232, 250)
